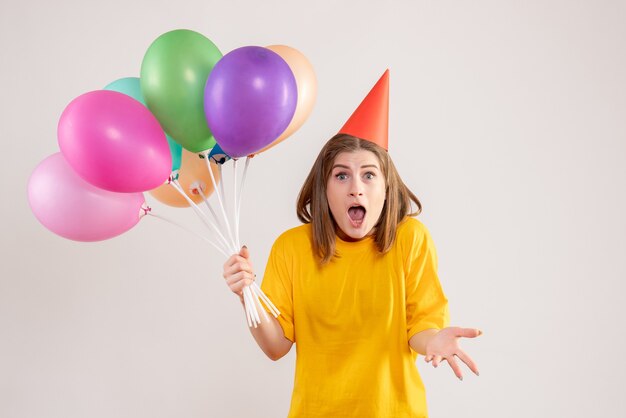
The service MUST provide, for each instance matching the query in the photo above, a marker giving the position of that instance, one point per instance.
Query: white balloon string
(199, 212)
(253, 311)
(235, 217)
(266, 300)
(219, 223)
(246, 305)
(240, 198)
(254, 305)
(219, 169)
(219, 198)
(255, 315)
(257, 303)
(247, 308)
(225, 200)
(207, 222)
(188, 230)
(208, 205)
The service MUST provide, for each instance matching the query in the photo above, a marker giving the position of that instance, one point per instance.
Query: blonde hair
(312, 206)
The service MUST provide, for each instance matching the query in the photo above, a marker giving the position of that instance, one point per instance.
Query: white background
(507, 120)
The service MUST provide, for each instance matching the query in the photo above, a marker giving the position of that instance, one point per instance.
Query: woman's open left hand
(444, 346)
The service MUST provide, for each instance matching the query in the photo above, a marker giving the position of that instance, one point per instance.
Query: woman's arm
(419, 341)
(270, 338)
(239, 273)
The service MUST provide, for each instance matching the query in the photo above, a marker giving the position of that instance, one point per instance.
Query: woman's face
(356, 193)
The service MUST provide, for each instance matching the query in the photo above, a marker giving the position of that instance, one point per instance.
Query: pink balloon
(72, 208)
(114, 142)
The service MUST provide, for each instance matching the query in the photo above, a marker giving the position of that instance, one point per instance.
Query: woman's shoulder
(295, 236)
(411, 231)
(411, 225)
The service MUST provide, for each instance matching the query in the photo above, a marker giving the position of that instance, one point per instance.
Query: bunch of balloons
(169, 132)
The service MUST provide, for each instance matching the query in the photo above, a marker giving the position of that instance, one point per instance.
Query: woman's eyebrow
(363, 166)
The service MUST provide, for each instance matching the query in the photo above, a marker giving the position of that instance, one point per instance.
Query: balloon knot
(219, 158)
(196, 187)
(172, 178)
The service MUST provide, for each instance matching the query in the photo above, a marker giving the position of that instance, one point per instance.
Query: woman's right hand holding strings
(238, 272)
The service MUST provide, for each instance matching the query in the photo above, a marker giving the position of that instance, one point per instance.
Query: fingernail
(480, 332)
(245, 246)
(461, 378)
(477, 374)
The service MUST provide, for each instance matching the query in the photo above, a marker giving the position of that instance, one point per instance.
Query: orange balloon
(193, 173)
(306, 83)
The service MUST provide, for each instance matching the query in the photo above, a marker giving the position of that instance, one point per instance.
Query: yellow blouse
(352, 319)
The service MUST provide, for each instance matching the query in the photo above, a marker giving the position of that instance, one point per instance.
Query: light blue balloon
(130, 86)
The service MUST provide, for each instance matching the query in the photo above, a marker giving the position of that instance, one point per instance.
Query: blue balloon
(218, 155)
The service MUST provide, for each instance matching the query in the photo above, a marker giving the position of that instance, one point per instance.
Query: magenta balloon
(114, 142)
(249, 99)
(72, 208)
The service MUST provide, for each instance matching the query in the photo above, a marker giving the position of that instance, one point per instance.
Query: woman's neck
(345, 237)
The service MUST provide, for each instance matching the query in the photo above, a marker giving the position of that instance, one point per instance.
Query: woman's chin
(354, 233)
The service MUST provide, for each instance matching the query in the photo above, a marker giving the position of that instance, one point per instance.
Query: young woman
(357, 284)
(358, 291)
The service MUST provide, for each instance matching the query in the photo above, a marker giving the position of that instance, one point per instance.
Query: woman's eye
(369, 175)
(341, 176)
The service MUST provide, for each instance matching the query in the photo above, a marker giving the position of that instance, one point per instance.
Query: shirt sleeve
(426, 304)
(277, 286)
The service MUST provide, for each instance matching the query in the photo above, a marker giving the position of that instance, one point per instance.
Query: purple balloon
(72, 208)
(114, 142)
(249, 99)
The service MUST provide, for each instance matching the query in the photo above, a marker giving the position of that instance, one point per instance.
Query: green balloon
(173, 74)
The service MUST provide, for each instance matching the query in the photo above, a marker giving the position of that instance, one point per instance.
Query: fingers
(238, 281)
(468, 332)
(236, 263)
(436, 360)
(468, 361)
(244, 255)
(233, 259)
(238, 271)
(236, 267)
(455, 367)
(451, 361)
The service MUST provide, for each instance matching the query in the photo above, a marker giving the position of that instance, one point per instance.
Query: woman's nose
(356, 189)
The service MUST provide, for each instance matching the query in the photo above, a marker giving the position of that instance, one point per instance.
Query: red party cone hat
(370, 120)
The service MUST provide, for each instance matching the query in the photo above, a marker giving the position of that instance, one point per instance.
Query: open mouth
(356, 214)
